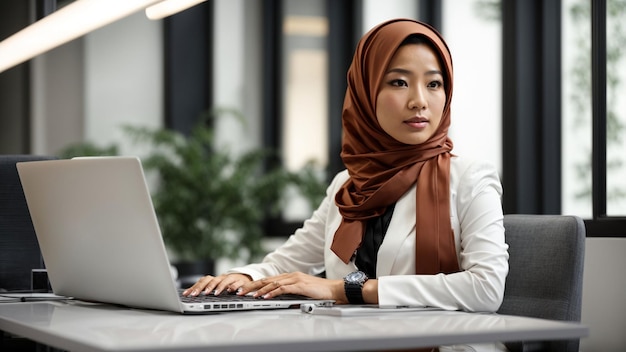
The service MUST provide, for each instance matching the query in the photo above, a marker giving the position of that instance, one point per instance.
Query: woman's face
(411, 98)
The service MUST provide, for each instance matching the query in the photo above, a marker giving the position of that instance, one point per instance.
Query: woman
(408, 223)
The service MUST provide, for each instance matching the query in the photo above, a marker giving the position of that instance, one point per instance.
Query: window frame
(531, 173)
(601, 225)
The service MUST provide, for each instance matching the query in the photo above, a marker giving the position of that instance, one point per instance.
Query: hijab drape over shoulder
(383, 169)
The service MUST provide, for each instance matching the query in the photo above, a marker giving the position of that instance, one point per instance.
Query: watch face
(357, 276)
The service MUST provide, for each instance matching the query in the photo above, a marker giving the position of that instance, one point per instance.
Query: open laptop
(100, 238)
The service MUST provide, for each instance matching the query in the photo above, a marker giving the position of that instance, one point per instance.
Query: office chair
(545, 272)
(19, 250)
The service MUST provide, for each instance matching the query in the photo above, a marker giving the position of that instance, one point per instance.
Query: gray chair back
(19, 250)
(546, 272)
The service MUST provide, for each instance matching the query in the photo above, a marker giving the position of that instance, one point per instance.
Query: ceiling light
(68, 23)
(169, 7)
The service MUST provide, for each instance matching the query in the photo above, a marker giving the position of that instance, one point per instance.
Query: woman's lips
(417, 123)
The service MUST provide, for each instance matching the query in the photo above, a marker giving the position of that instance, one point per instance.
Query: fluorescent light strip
(169, 7)
(64, 25)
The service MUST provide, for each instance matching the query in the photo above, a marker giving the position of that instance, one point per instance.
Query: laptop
(100, 238)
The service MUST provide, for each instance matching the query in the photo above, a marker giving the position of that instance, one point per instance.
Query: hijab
(383, 169)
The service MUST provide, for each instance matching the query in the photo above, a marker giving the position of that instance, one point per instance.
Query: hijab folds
(382, 169)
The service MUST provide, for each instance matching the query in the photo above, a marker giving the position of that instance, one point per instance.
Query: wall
(57, 97)
(237, 80)
(88, 88)
(604, 291)
(123, 79)
(237, 72)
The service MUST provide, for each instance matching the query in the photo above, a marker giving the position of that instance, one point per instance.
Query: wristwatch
(353, 284)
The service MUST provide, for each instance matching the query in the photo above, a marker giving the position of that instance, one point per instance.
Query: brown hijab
(381, 168)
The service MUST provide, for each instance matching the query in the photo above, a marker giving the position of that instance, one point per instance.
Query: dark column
(531, 106)
(431, 12)
(344, 29)
(14, 84)
(188, 66)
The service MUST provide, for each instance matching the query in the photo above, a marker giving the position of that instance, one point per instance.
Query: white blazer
(477, 221)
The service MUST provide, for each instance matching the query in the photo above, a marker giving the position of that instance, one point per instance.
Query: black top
(375, 230)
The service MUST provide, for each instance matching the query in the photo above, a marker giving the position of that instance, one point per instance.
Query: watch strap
(354, 292)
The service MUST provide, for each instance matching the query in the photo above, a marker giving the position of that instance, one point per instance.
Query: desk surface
(80, 326)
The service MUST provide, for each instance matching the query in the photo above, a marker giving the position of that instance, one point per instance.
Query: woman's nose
(417, 99)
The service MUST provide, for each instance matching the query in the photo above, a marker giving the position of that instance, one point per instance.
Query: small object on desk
(360, 310)
(30, 297)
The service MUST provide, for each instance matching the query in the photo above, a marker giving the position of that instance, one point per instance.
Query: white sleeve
(483, 256)
(304, 250)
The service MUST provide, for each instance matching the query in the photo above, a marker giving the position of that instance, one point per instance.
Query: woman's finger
(276, 285)
(231, 282)
(199, 286)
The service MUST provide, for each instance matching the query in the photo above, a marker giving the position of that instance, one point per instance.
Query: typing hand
(295, 283)
(217, 284)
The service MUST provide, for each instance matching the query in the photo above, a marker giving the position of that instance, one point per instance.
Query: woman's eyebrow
(408, 72)
(399, 70)
(434, 72)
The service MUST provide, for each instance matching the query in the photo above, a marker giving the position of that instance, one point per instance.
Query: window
(304, 134)
(577, 111)
(594, 116)
(304, 84)
(562, 121)
(616, 107)
(476, 103)
(558, 124)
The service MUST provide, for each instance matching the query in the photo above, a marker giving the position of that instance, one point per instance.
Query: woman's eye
(435, 84)
(398, 83)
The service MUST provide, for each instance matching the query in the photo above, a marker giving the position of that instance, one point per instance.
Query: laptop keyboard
(226, 296)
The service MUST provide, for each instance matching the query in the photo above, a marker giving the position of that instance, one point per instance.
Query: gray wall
(604, 290)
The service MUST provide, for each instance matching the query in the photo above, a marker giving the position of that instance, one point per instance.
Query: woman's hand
(207, 284)
(296, 283)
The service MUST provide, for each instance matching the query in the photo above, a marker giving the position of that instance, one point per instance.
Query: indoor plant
(210, 204)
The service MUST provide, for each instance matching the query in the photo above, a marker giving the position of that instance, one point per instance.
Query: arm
(483, 255)
(304, 250)
(298, 260)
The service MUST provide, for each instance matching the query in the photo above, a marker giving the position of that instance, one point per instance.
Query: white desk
(79, 326)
